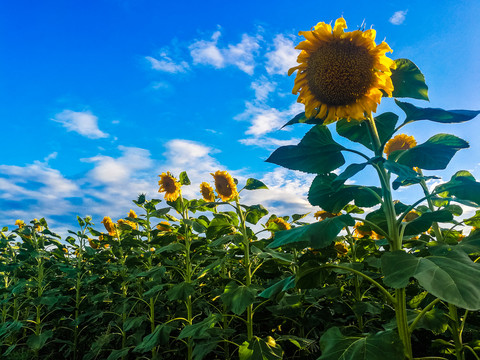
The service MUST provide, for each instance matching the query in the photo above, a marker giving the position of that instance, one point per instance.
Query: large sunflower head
(399, 142)
(225, 185)
(207, 192)
(170, 186)
(322, 215)
(341, 74)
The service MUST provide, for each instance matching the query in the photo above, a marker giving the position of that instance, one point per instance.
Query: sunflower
(92, 244)
(109, 225)
(128, 223)
(324, 215)
(341, 248)
(341, 74)
(399, 142)
(362, 231)
(225, 185)
(131, 214)
(279, 223)
(207, 192)
(164, 226)
(412, 215)
(170, 186)
(20, 223)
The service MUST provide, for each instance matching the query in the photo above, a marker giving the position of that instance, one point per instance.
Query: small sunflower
(225, 185)
(399, 142)
(324, 215)
(279, 223)
(109, 225)
(92, 244)
(131, 214)
(412, 215)
(207, 192)
(20, 223)
(341, 74)
(164, 226)
(341, 248)
(170, 186)
(128, 223)
(362, 231)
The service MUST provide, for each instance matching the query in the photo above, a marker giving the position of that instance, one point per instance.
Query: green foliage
(408, 81)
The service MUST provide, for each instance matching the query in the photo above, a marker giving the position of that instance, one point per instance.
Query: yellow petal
(322, 27)
(292, 70)
(370, 33)
(340, 25)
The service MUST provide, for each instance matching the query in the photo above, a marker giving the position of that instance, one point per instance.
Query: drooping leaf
(434, 154)
(37, 342)
(408, 81)
(199, 329)
(260, 349)
(279, 286)
(160, 336)
(118, 354)
(238, 298)
(379, 346)
(254, 184)
(180, 291)
(255, 213)
(463, 186)
(415, 113)
(454, 278)
(317, 235)
(425, 221)
(316, 153)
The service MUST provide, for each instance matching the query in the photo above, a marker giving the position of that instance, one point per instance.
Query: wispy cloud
(84, 123)
(282, 57)
(167, 64)
(241, 55)
(398, 17)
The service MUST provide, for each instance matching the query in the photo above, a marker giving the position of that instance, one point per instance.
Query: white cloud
(398, 17)
(282, 57)
(263, 87)
(84, 123)
(166, 64)
(241, 55)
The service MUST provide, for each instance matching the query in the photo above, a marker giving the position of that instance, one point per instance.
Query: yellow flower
(399, 142)
(362, 233)
(37, 226)
(325, 214)
(92, 244)
(163, 226)
(127, 222)
(20, 223)
(109, 225)
(225, 185)
(207, 192)
(170, 186)
(281, 224)
(412, 215)
(341, 74)
(341, 248)
(131, 214)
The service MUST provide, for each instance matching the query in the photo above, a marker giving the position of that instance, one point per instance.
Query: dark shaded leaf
(415, 113)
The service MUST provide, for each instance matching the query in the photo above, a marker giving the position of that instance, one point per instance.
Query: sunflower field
(371, 278)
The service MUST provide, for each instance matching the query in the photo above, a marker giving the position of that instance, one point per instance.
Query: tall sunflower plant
(341, 79)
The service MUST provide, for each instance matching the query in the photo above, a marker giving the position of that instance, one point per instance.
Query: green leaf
(326, 193)
(318, 235)
(425, 221)
(255, 213)
(454, 278)
(415, 113)
(279, 286)
(357, 131)
(254, 184)
(160, 336)
(218, 227)
(316, 153)
(173, 247)
(351, 170)
(302, 119)
(184, 180)
(133, 322)
(153, 291)
(37, 342)
(238, 298)
(463, 186)
(118, 354)
(260, 349)
(434, 154)
(199, 329)
(379, 346)
(408, 81)
(180, 291)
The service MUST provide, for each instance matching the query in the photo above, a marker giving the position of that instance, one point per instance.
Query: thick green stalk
(456, 332)
(247, 265)
(394, 238)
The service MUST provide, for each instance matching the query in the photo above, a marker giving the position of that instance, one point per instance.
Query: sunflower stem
(394, 237)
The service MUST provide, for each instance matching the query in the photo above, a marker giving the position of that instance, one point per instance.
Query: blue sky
(99, 97)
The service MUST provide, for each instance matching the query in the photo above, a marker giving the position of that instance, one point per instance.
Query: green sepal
(408, 81)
